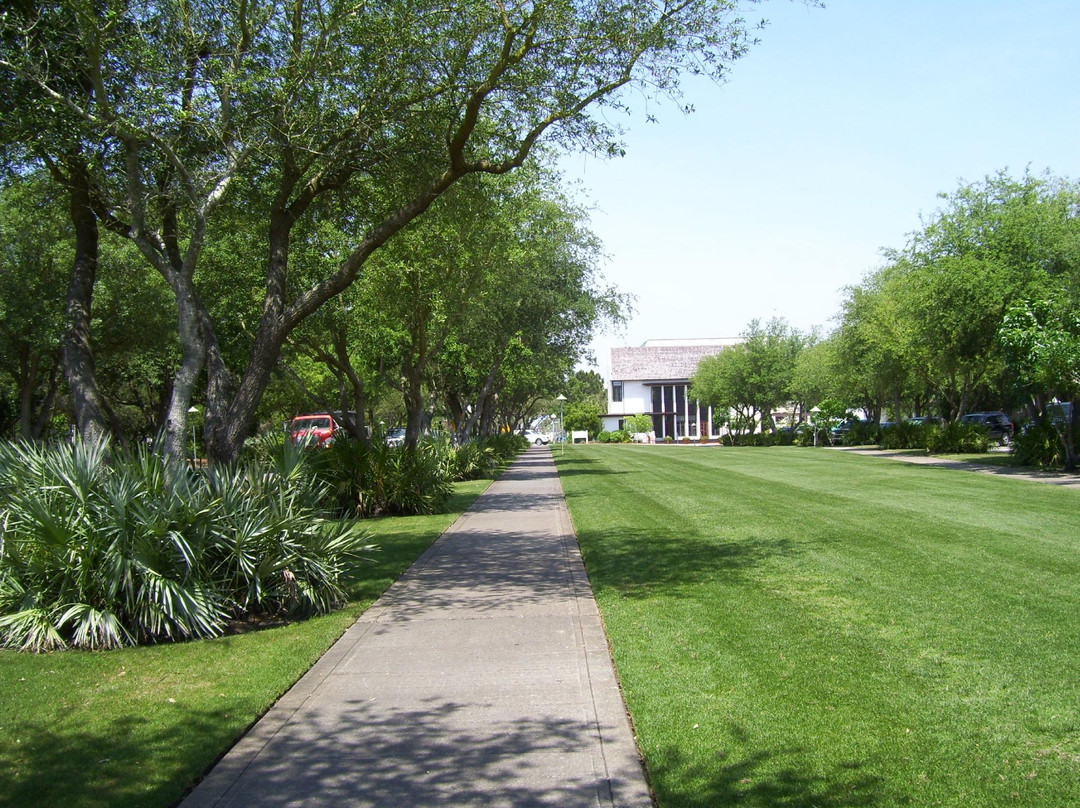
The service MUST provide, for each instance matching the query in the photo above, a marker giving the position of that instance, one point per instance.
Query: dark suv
(997, 424)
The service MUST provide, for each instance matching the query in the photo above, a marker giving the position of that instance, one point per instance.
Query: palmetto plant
(375, 479)
(102, 548)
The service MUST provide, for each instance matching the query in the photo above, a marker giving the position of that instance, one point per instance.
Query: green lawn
(137, 727)
(798, 627)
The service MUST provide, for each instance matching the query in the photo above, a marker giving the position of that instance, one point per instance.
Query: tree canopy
(754, 377)
(167, 111)
(951, 323)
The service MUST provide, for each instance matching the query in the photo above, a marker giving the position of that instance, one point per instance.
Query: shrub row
(102, 548)
(950, 438)
(803, 436)
(376, 479)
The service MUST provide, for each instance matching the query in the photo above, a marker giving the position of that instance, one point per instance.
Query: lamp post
(193, 411)
(562, 429)
(814, 412)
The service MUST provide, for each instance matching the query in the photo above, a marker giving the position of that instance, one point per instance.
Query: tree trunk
(219, 382)
(90, 408)
(457, 415)
(481, 400)
(193, 358)
(235, 414)
(28, 377)
(1072, 426)
(414, 406)
(225, 440)
(45, 411)
(357, 426)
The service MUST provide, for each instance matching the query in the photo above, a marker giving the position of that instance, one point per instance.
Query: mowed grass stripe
(841, 630)
(135, 728)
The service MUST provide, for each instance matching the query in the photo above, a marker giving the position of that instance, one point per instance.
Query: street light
(562, 429)
(193, 410)
(815, 412)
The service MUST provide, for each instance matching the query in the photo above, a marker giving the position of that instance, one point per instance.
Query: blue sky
(826, 144)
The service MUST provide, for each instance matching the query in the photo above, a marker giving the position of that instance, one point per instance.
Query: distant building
(653, 379)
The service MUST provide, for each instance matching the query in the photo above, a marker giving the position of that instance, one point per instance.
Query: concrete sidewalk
(481, 678)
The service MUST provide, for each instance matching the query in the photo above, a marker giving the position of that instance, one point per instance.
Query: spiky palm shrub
(102, 549)
(419, 483)
(272, 549)
(92, 553)
(903, 435)
(375, 479)
(485, 457)
(1039, 445)
(957, 438)
(862, 434)
(475, 461)
(506, 445)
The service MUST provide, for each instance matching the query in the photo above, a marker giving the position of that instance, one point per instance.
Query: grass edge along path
(138, 727)
(795, 627)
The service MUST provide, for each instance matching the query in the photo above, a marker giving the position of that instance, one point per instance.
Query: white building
(653, 379)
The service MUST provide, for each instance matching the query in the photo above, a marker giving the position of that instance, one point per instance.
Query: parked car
(1060, 413)
(536, 438)
(395, 437)
(846, 425)
(997, 425)
(316, 429)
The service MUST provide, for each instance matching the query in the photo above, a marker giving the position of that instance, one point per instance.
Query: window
(616, 391)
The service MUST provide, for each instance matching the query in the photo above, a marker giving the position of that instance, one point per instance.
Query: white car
(536, 438)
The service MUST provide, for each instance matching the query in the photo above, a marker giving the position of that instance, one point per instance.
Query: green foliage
(957, 438)
(1041, 342)
(104, 548)
(782, 437)
(903, 436)
(391, 105)
(483, 458)
(372, 479)
(813, 377)
(603, 436)
(804, 436)
(621, 436)
(961, 318)
(474, 460)
(586, 386)
(1038, 444)
(506, 445)
(493, 295)
(35, 260)
(639, 423)
(1042, 346)
(862, 433)
(583, 416)
(753, 377)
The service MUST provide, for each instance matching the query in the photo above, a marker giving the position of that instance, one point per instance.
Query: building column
(686, 410)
